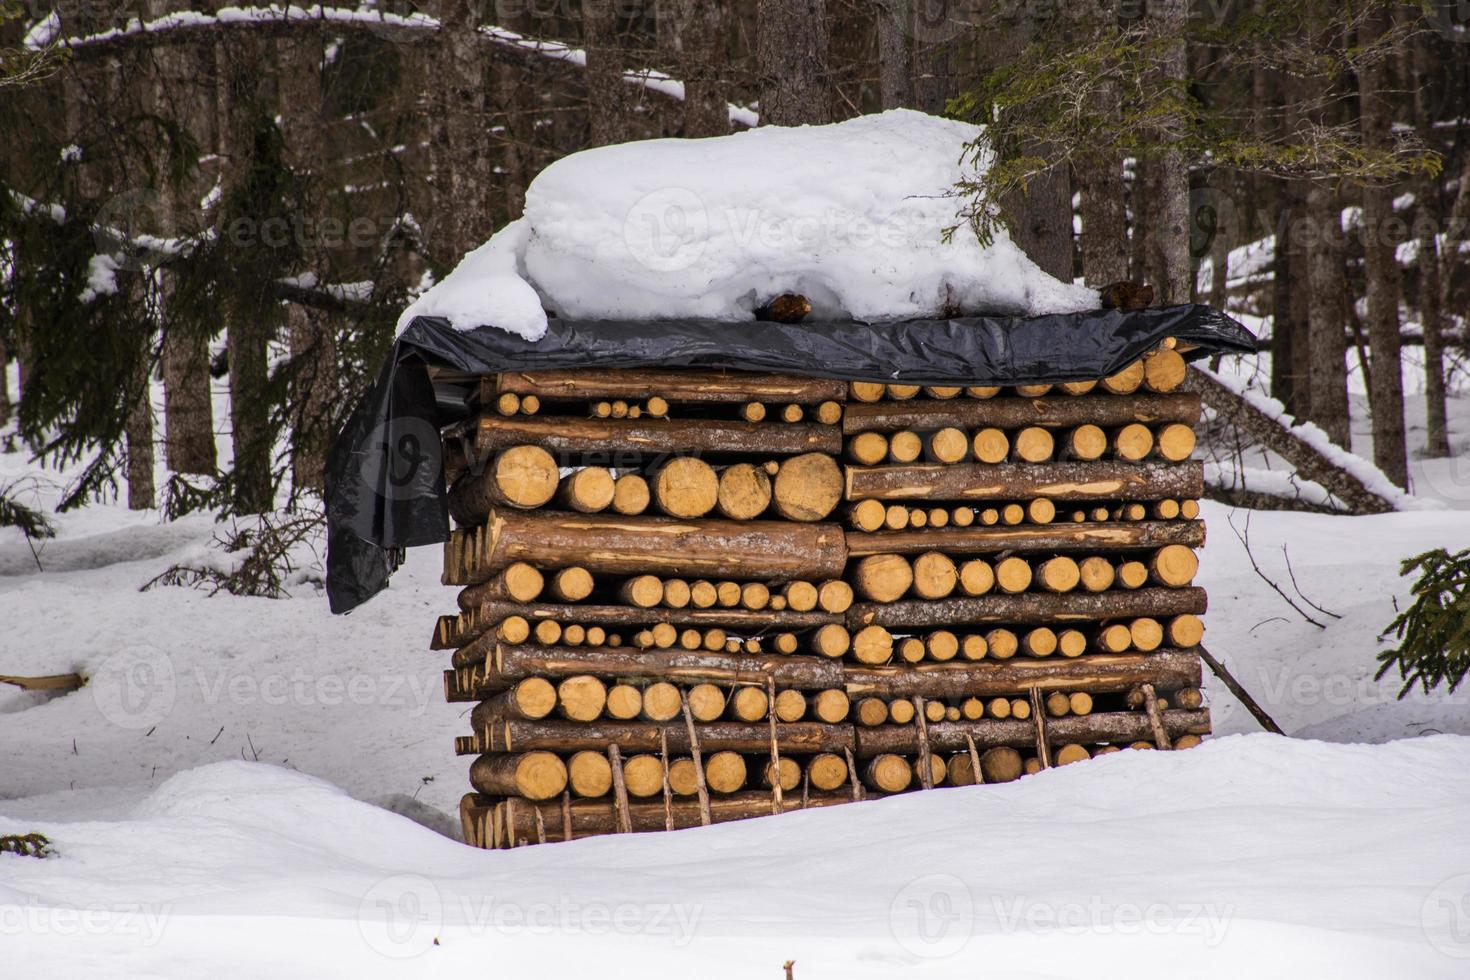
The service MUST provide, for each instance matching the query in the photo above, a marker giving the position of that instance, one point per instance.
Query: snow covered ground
(1281, 857)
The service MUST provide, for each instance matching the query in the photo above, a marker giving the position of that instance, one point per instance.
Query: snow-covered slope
(852, 216)
(1249, 856)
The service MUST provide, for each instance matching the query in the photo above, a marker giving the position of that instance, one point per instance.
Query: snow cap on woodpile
(852, 216)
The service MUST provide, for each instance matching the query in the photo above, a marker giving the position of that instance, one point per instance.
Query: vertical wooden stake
(926, 776)
(806, 784)
(540, 825)
(703, 790)
(776, 802)
(566, 814)
(620, 790)
(663, 748)
(1042, 751)
(974, 758)
(852, 774)
(1155, 718)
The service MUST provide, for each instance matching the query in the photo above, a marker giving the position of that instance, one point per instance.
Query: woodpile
(691, 596)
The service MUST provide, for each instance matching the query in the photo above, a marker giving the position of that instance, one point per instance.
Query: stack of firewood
(696, 596)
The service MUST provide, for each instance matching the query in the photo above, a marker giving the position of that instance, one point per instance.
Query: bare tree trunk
(608, 96)
(141, 490)
(309, 333)
(1166, 19)
(1103, 207)
(188, 415)
(459, 149)
(895, 60)
(1381, 271)
(1141, 210)
(935, 81)
(4, 384)
(1327, 323)
(1431, 308)
(1284, 335)
(247, 333)
(697, 32)
(791, 62)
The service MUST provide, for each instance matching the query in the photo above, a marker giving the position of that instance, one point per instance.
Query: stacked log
(689, 596)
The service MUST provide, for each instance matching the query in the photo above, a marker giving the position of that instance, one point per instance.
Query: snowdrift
(853, 216)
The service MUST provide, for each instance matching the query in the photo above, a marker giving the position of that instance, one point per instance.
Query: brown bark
(513, 821)
(1430, 298)
(791, 62)
(139, 431)
(761, 550)
(1100, 674)
(1008, 481)
(534, 775)
(1103, 242)
(1308, 462)
(1166, 19)
(696, 387)
(1060, 411)
(591, 437)
(609, 98)
(1380, 268)
(521, 735)
(521, 476)
(895, 81)
(1327, 286)
(1030, 608)
(507, 664)
(1115, 727)
(697, 34)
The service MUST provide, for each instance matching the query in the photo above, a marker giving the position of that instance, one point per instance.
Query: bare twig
(1298, 588)
(1245, 540)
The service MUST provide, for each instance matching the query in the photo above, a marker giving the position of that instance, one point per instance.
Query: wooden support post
(663, 739)
(776, 803)
(566, 815)
(1155, 719)
(698, 757)
(1043, 751)
(852, 775)
(1257, 712)
(620, 789)
(926, 775)
(974, 758)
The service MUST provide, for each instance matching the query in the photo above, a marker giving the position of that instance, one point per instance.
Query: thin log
(1107, 480)
(1029, 608)
(1257, 712)
(696, 753)
(974, 757)
(1155, 718)
(776, 806)
(1038, 717)
(1100, 674)
(620, 790)
(921, 727)
(958, 736)
(693, 387)
(607, 543)
(707, 437)
(1015, 413)
(507, 664)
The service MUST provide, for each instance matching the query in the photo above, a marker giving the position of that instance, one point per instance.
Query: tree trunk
(1381, 270)
(1170, 222)
(1431, 308)
(4, 384)
(791, 62)
(1283, 333)
(140, 433)
(1327, 376)
(697, 34)
(1104, 238)
(609, 98)
(930, 25)
(460, 146)
(895, 60)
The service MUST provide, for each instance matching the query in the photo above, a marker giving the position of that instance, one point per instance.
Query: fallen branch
(1361, 486)
(1233, 685)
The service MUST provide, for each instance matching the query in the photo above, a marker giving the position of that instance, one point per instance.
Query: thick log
(664, 546)
(1030, 608)
(523, 735)
(1100, 674)
(518, 583)
(1015, 413)
(1007, 481)
(707, 437)
(513, 821)
(507, 664)
(535, 775)
(694, 387)
(518, 476)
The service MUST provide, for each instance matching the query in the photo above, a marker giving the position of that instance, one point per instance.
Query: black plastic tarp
(385, 481)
